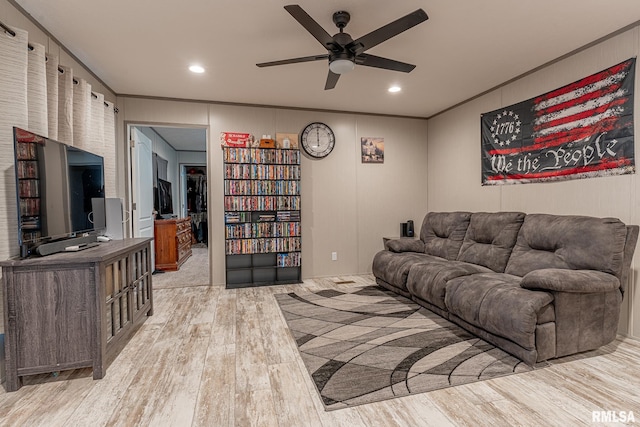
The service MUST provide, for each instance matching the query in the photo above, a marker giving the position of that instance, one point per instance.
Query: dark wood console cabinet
(172, 242)
(74, 310)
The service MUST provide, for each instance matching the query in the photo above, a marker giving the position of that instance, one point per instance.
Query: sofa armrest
(405, 245)
(574, 281)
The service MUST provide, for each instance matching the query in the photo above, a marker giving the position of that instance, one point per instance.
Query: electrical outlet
(334, 256)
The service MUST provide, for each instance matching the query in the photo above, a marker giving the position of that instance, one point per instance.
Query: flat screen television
(59, 191)
(164, 200)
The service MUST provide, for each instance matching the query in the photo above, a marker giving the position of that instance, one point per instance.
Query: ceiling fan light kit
(341, 66)
(343, 53)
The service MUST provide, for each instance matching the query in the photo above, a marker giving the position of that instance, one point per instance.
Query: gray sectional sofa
(538, 286)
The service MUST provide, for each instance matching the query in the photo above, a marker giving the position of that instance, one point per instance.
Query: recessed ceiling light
(196, 69)
(394, 89)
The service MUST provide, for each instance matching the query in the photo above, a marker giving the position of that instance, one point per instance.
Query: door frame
(128, 125)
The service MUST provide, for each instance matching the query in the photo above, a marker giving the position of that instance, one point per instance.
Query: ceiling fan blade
(332, 79)
(311, 25)
(293, 60)
(392, 29)
(387, 64)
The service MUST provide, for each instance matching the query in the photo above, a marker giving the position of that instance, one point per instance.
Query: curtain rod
(30, 47)
(7, 29)
(93, 94)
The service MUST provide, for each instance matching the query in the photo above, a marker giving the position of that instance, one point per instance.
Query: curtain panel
(42, 96)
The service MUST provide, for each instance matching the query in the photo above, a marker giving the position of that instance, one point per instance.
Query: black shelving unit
(262, 216)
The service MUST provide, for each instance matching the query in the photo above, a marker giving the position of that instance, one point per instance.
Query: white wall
(192, 158)
(347, 206)
(454, 159)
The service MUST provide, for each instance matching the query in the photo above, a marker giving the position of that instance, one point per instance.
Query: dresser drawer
(183, 225)
(183, 238)
(183, 252)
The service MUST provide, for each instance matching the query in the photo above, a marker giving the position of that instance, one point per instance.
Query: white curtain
(52, 95)
(109, 150)
(37, 90)
(65, 105)
(81, 113)
(96, 126)
(38, 94)
(13, 112)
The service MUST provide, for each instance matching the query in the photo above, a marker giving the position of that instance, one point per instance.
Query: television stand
(74, 311)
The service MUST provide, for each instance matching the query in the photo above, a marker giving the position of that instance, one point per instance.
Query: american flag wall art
(581, 130)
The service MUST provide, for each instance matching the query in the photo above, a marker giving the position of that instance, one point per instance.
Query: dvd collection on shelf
(260, 230)
(262, 246)
(262, 216)
(246, 186)
(26, 150)
(261, 203)
(247, 171)
(28, 190)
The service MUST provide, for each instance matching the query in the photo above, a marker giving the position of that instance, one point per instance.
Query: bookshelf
(28, 177)
(262, 216)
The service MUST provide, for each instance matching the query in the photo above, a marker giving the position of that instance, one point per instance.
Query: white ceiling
(143, 47)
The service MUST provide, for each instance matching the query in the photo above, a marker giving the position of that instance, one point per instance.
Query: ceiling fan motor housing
(341, 19)
(341, 55)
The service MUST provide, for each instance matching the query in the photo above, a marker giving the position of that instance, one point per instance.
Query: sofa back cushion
(571, 242)
(490, 239)
(443, 233)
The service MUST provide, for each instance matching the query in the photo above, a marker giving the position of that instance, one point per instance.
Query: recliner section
(538, 286)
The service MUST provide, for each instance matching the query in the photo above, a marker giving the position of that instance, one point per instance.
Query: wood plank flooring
(216, 357)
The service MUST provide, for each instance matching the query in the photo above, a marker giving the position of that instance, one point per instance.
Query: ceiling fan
(344, 52)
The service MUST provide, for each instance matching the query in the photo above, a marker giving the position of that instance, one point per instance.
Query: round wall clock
(318, 140)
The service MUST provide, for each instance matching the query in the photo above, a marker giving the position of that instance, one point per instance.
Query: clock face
(318, 140)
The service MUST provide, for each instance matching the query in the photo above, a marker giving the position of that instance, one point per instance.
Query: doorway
(194, 187)
(176, 147)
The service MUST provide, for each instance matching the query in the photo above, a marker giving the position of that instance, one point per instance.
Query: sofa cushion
(490, 239)
(427, 281)
(562, 280)
(568, 242)
(443, 233)
(393, 267)
(406, 244)
(496, 303)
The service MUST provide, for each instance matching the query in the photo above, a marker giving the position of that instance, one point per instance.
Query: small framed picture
(372, 149)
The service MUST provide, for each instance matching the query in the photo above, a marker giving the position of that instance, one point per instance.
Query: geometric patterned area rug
(368, 344)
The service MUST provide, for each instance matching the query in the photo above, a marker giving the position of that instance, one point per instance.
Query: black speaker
(406, 229)
(410, 231)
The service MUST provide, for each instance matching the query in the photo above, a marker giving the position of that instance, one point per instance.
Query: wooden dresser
(172, 242)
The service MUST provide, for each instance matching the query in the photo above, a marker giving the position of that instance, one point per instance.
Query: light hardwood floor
(216, 357)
